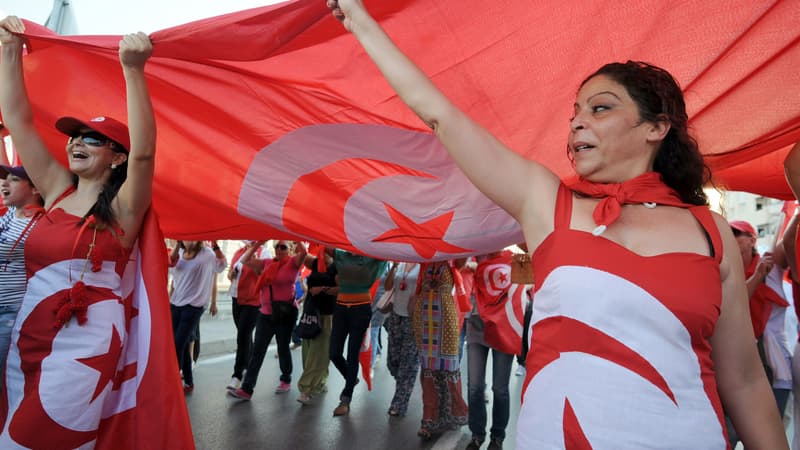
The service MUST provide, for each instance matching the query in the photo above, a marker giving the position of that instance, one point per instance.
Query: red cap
(107, 126)
(744, 227)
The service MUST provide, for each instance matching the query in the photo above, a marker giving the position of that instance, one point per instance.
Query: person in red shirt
(244, 306)
(278, 312)
(756, 268)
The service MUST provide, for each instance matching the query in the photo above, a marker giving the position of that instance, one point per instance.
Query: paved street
(278, 421)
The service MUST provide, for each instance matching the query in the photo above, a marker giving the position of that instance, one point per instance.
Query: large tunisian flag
(273, 121)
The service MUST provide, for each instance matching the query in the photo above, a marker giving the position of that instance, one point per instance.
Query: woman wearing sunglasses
(76, 254)
(276, 287)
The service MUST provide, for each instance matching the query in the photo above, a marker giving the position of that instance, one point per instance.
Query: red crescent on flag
(329, 188)
(498, 278)
(586, 339)
(584, 348)
(331, 184)
(36, 343)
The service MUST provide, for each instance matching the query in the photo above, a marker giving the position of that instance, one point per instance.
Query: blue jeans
(185, 320)
(376, 322)
(8, 315)
(350, 321)
(477, 355)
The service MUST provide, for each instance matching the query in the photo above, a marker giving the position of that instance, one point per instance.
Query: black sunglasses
(737, 233)
(91, 138)
(281, 247)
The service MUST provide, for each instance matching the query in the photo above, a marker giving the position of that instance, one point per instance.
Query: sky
(121, 17)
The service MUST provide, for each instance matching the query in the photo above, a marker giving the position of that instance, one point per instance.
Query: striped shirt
(13, 280)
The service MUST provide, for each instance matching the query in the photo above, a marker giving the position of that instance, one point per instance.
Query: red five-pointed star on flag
(426, 237)
(106, 363)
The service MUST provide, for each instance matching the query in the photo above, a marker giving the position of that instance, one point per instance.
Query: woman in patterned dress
(403, 356)
(435, 318)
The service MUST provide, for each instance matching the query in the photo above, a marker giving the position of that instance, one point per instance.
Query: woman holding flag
(68, 377)
(276, 286)
(640, 295)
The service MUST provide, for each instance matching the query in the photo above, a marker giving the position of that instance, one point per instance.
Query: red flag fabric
(365, 354)
(365, 359)
(787, 210)
(762, 300)
(158, 417)
(143, 406)
(294, 133)
(501, 304)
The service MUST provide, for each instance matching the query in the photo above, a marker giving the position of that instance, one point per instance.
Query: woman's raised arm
(136, 193)
(50, 177)
(522, 187)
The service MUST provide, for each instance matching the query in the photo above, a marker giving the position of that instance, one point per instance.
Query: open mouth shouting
(579, 147)
(77, 154)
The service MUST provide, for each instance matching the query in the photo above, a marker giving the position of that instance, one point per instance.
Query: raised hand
(9, 25)
(135, 49)
(344, 10)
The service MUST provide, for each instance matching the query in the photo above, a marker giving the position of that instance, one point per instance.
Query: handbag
(309, 326)
(521, 269)
(384, 304)
(283, 313)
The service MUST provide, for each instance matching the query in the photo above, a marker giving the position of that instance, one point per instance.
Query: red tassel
(78, 299)
(96, 259)
(71, 303)
(62, 310)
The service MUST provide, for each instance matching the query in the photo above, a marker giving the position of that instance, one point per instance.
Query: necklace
(407, 268)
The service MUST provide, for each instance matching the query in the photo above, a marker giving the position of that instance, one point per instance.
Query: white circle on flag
(497, 278)
(67, 402)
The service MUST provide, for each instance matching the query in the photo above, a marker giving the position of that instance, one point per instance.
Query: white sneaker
(234, 384)
(304, 399)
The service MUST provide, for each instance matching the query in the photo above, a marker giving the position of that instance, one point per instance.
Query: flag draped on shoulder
(501, 304)
(61, 393)
(152, 412)
(273, 121)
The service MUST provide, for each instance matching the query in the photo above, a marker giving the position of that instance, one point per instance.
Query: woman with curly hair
(640, 328)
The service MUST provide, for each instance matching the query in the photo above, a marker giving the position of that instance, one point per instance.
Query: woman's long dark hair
(102, 210)
(659, 98)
